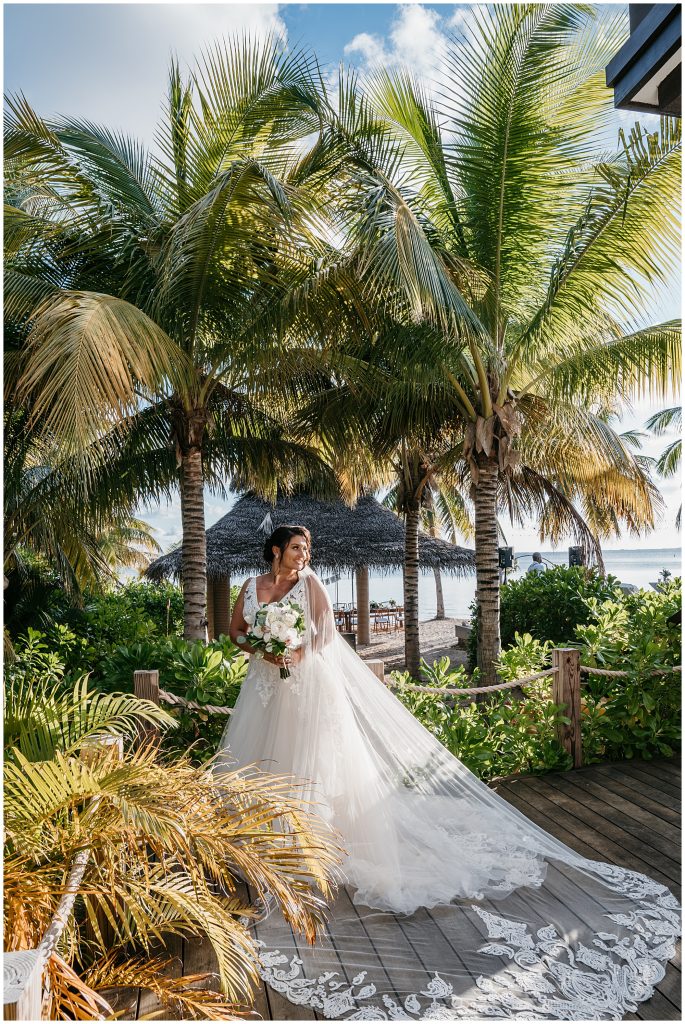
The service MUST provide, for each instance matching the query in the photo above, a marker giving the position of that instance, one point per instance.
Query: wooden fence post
(566, 690)
(377, 666)
(22, 985)
(146, 686)
(222, 605)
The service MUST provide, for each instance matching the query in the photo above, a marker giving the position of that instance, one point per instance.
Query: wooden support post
(377, 666)
(222, 605)
(210, 610)
(146, 686)
(22, 985)
(566, 690)
(363, 612)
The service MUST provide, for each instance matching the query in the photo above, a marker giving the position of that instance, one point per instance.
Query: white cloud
(109, 63)
(416, 41)
(369, 47)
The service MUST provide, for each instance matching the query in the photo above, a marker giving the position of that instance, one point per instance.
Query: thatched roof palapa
(343, 539)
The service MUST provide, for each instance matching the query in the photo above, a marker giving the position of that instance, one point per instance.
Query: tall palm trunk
(412, 654)
(439, 596)
(484, 494)
(194, 550)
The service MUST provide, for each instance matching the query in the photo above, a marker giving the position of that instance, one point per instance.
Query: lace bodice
(264, 676)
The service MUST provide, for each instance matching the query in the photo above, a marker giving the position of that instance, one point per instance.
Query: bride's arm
(238, 626)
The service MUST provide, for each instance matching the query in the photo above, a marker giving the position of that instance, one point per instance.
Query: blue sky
(108, 63)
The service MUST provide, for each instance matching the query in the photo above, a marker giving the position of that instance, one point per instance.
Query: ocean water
(640, 567)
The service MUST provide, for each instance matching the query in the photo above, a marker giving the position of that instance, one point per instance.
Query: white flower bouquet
(276, 628)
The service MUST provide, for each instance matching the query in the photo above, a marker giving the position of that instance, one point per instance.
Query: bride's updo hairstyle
(280, 538)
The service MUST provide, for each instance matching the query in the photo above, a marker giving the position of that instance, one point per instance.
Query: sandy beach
(436, 639)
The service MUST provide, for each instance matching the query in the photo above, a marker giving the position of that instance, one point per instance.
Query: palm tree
(494, 213)
(668, 463)
(128, 545)
(444, 511)
(148, 291)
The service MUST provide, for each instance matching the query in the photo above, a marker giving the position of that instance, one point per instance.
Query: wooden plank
(147, 1001)
(663, 786)
(627, 808)
(667, 770)
(278, 1007)
(260, 1003)
(124, 1001)
(616, 782)
(392, 948)
(658, 1008)
(644, 831)
(574, 832)
(649, 857)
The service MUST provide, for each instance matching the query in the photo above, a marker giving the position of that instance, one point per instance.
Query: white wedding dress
(471, 910)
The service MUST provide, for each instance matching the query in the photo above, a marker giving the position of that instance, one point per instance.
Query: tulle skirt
(453, 904)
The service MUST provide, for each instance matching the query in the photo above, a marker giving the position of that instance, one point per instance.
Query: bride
(455, 905)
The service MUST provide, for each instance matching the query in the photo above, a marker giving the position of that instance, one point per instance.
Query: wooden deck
(626, 813)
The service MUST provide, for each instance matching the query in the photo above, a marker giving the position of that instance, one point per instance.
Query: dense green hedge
(549, 605)
(135, 625)
(638, 715)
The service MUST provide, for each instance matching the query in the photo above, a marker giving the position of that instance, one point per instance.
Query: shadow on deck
(625, 813)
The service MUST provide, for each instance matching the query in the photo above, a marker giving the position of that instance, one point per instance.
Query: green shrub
(637, 715)
(502, 735)
(548, 605)
(207, 674)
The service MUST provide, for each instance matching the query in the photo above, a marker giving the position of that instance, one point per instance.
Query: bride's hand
(274, 659)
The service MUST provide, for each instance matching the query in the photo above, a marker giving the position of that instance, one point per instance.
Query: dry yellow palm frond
(70, 997)
(30, 895)
(167, 843)
(187, 996)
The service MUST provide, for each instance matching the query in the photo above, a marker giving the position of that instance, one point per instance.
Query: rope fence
(213, 709)
(461, 691)
(565, 675)
(587, 670)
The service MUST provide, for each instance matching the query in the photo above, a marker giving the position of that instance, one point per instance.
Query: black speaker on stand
(505, 559)
(575, 556)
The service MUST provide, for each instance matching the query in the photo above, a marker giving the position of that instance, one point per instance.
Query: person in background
(536, 565)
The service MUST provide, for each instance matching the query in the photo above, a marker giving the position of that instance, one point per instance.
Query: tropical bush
(622, 717)
(637, 715)
(166, 842)
(205, 673)
(502, 735)
(548, 605)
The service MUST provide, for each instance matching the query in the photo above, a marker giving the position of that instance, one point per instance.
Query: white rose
(258, 631)
(291, 637)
